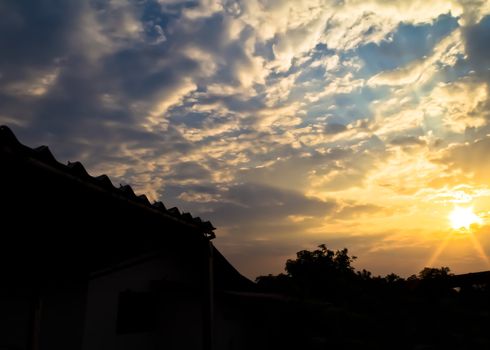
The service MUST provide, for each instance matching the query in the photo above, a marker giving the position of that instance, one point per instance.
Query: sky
(288, 124)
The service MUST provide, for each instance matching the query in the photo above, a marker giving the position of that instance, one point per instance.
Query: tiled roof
(42, 156)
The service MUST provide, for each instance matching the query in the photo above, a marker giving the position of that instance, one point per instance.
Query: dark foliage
(338, 307)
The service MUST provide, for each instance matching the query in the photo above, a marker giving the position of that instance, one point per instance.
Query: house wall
(61, 312)
(178, 323)
(45, 316)
(252, 322)
(231, 327)
(15, 317)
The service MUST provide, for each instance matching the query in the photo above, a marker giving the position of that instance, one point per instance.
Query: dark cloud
(249, 211)
(89, 106)
(35, 34)
(190, 171)
(334, 128)
(260, 203)
(36, 38)
(471, 158)
(477, 38)
(356, 210)
(403, 140)
(291, 170)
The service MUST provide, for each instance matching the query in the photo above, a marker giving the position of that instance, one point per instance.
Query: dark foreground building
(87, 265)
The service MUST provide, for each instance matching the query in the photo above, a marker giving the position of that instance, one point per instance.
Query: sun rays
(462, 220)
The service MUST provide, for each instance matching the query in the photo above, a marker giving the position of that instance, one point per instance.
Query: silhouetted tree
(431, 273)
(434, 282)
(321, 273)
(341, 308)
(364, 275)
(393, 278)
(319, 263)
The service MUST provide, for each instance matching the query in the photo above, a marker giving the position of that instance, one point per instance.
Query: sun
(462, 217)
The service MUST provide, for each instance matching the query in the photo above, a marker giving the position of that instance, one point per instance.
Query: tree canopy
(323, 273)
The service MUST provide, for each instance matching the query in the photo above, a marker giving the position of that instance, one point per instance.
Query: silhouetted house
(470, 280)
(86, 265)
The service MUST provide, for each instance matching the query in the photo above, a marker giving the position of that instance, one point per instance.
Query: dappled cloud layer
(286, 123)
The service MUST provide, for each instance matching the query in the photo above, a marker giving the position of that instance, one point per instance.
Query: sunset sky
(356, 123)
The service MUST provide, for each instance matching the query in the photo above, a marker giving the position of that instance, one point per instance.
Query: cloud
(190, 171)
(408, 141)
(197, 197)
(461, 104)
(335, 128)
(266, 202)
(471, 157)
(474, 11)
(351, 211)
(475, 36)
(284, 122)
(256, 211)
(407, 43)
(418, 72)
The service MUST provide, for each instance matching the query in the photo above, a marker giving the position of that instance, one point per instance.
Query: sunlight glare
(462, 217)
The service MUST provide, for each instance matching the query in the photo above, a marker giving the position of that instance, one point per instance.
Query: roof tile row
(8, 142)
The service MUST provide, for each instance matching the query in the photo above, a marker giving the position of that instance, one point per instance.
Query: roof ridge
(42, 154)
